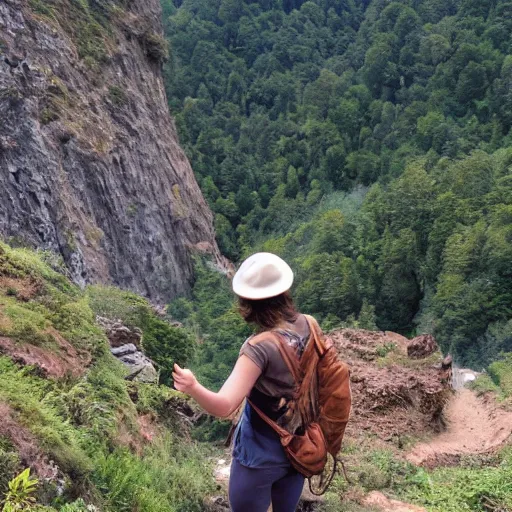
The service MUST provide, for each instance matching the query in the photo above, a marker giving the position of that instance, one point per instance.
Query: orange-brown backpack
(322, 401)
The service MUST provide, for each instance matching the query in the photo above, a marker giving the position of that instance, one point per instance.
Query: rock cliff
(90, 164)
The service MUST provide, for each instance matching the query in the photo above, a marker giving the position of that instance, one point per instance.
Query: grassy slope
(88, 425)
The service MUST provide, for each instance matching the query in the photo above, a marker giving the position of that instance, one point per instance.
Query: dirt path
(474, 427)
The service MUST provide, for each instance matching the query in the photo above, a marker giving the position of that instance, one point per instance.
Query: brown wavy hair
(268, 313)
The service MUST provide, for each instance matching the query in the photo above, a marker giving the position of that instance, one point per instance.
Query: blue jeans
(253, 489)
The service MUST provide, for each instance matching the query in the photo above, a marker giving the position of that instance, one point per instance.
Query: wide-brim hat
(261, 276)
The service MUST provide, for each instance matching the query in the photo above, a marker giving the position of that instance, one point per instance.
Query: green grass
(27, 395)
(477, 482)
(501, 374)
(484, 384)
(21, 262)
(463, 489)
(57, 304)
(171, 476)
(497, 380)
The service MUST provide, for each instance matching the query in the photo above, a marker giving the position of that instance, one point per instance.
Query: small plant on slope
(21, 489)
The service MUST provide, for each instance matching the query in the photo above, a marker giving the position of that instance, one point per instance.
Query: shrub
(158, 400)
(117, 95)
(155, 46)
(166, 345)
(180, 309)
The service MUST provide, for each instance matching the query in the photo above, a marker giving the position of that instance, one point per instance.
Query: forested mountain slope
(367, 142)
(90, 165)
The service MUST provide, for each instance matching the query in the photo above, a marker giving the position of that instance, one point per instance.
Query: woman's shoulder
(301, 326)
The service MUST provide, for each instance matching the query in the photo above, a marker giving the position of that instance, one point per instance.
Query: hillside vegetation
(97, 442)
(68, 413)
(368, 143)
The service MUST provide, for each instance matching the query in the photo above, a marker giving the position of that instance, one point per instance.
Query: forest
(366, 142)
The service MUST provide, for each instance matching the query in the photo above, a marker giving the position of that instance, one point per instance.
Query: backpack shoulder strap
(287, 353)
(317, 335)
(280, 430)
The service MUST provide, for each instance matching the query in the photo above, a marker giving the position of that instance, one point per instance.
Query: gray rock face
(90, 164)
(124, 350)
(140, 367)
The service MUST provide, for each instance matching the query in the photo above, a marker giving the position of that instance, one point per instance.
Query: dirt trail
(475, 426)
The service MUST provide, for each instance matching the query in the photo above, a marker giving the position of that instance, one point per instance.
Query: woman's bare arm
(235, 389)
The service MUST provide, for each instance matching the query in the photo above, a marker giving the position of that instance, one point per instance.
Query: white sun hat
(261, 276)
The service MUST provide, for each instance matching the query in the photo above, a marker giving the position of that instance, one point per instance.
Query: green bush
(160, 401)
(484, 384)
(180, 309)
(167, 345)
(155, 46)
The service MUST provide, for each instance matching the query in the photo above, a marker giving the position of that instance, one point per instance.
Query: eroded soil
(474, 426)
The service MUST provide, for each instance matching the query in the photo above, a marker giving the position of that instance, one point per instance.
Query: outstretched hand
(184, 380)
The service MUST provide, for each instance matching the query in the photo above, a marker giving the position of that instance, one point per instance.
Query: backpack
(322, 401)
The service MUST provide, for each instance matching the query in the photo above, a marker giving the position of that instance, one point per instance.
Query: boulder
(141, 368)
(422, 346)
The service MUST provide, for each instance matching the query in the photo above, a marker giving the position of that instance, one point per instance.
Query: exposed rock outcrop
(118, 334)
(90, 164)
(140, 367)
(125, 345)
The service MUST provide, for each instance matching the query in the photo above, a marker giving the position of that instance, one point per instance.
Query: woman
(260, 472)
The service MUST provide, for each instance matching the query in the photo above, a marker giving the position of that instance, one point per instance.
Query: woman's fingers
(183, 378)
(177, 374)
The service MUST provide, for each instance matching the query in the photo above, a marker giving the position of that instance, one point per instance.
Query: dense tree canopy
(366, 142)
